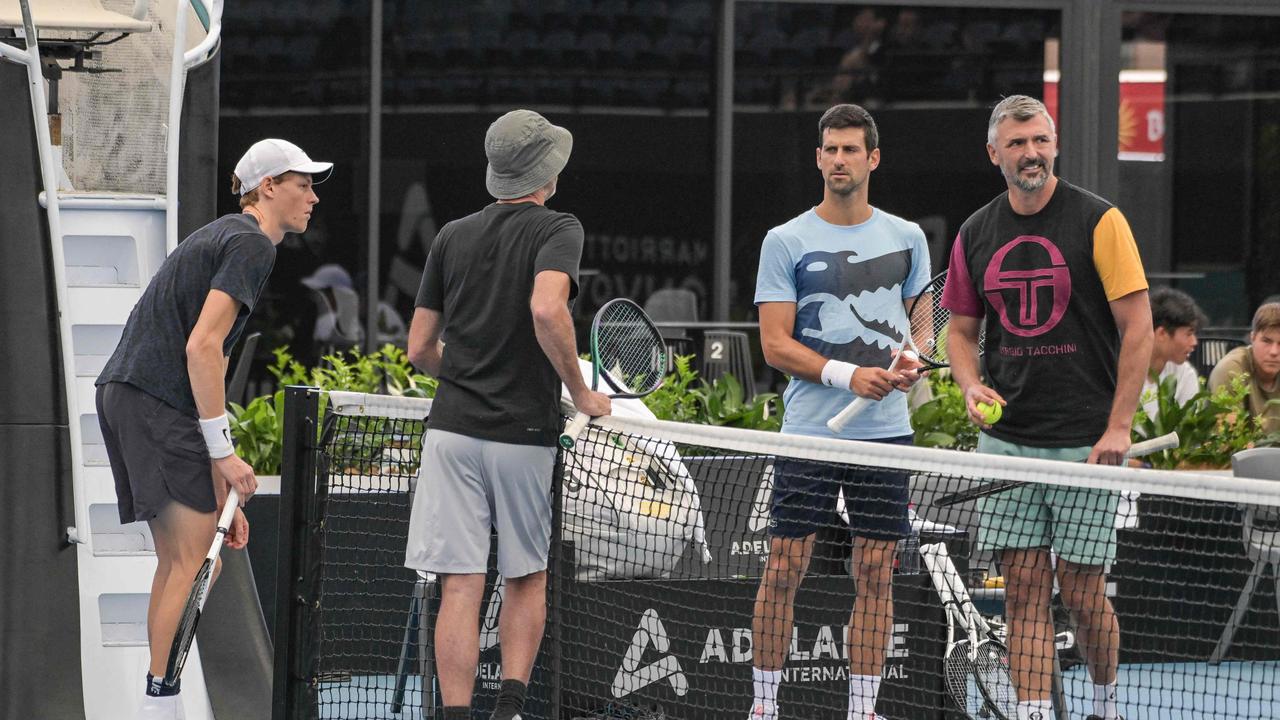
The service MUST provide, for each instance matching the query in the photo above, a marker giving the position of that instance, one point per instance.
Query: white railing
(49, 177)
(183, 61)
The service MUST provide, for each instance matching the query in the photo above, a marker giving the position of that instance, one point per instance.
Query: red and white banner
(1142, 113)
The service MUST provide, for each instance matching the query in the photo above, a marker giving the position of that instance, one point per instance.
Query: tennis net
(662, 535)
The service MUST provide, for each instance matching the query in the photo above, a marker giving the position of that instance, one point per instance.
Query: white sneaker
(161, 708)
(763, 711)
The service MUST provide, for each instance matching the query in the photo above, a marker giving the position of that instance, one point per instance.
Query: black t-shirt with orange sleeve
(495, 381)
(1044, 284)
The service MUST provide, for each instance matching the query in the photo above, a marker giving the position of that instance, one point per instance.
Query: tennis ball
(991, 412)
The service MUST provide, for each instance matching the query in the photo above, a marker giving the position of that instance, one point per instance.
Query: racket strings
(630, 349)
(991, 668)
(930, 322)
(958, 670)
(186, 630)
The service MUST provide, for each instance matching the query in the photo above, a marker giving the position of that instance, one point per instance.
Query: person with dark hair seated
(1176, 319)
(1260, 360)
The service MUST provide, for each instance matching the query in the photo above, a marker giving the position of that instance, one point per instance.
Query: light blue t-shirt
(849, 283)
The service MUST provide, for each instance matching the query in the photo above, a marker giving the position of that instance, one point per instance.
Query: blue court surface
(1172, 691)
(1185, 691)
(368, 696)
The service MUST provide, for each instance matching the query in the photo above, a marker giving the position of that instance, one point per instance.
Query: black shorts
(804, 498)
(157, 453)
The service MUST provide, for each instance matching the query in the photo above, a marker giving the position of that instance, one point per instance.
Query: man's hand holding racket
(238, 533)
(590, 402)
(236, 473)
(923, 348)
(233, 473)
(875, 383)
(628, 353)
(1112, 448)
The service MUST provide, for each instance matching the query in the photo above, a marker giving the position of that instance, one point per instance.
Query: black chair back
(240, 376)
(1210, 350)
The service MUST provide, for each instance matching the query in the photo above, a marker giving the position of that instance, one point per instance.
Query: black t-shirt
(495, 381)
(1044, 283)
(230, 254)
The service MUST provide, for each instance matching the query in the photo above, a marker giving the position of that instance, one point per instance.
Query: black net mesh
(666, 594)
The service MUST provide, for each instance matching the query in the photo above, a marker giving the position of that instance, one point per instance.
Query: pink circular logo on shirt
(1021, 296)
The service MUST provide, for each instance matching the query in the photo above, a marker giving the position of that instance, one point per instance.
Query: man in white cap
(160, 398)
(496, 287)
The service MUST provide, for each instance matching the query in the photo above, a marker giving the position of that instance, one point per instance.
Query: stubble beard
(843, 189)
(1030, 185)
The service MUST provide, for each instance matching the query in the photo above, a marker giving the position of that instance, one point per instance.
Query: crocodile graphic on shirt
(850, 307)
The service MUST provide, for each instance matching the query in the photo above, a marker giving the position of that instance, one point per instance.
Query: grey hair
(1019, 107)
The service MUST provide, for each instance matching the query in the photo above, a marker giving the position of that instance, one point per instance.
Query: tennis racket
(1139, 449)
(976, 664)
(628, 351)
(926, 341)
(186, 631)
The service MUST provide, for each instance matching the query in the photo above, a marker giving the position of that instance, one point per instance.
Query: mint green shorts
(1078, 523)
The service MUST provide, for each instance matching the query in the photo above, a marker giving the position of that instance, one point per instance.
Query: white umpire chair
(76, 15)
(1261, 534)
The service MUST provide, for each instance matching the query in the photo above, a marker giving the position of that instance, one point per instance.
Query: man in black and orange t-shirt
(1055, 272)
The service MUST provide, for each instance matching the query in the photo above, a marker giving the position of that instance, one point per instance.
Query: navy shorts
(804, 498)
(157, 453)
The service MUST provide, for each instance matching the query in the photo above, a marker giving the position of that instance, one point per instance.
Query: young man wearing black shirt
(492, 323)
(160, 397)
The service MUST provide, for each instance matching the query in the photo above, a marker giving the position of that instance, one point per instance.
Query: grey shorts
(157, 453)
(469, 487)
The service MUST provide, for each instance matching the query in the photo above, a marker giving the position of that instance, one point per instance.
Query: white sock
(1104, 702)
(764, 683)
(1035, 710)
(862, 695)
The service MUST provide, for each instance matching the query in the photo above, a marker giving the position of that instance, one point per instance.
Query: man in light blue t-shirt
(833, 290)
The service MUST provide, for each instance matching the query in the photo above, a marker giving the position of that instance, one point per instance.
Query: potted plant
(1212, 426)
(258, 427)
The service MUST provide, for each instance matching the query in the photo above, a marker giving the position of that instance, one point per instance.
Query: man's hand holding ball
(991, 412)
(985, 405)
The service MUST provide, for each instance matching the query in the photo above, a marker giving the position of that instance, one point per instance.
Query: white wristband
(838, 374)
(217, 436)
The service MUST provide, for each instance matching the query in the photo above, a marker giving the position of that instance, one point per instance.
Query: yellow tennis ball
(991, 412)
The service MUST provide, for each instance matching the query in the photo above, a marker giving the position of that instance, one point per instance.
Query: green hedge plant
(258, 428)
(943, 421)
(1212, 426)
(685, 397)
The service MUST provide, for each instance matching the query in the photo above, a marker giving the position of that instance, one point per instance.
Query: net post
(556, 565)
(297, 487)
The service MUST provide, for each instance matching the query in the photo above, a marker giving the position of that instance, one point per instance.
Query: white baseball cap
(272, 157)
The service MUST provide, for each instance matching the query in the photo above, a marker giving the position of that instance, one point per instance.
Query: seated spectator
(1260, 359)
(337, 305)
(857, 74)
(1176, 319)
(340, 318)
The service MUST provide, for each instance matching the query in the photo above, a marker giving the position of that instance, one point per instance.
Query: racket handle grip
(1154, 445)
(573, 429)
(229, 509)
(224, 524)
(845, 416)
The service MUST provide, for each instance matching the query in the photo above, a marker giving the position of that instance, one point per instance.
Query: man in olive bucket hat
(499, 283)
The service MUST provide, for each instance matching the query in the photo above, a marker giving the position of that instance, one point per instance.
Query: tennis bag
(629, 508)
